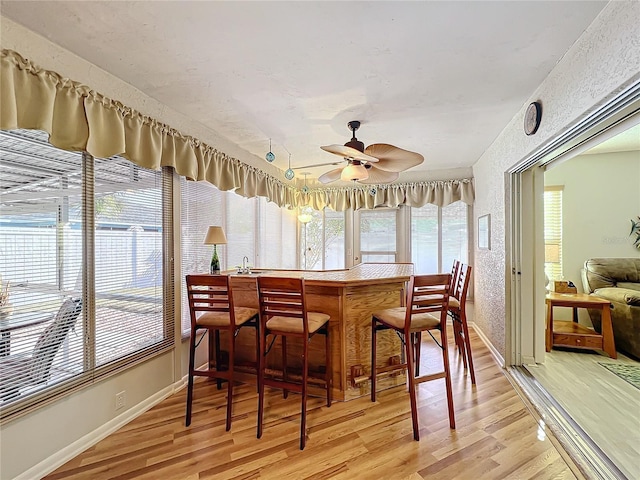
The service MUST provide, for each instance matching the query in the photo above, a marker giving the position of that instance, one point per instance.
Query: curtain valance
(414, 194)
(78, 118)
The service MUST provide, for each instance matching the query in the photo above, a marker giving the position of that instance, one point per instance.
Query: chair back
(209, 293)
(455, 270)
(50, 340)
(282, 297)
(427, 294)
(462, 284)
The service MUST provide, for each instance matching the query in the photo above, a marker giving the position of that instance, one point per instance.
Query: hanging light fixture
(270, 157)
(305, 189)
(354, 171)
(305, 212)
(289, 174)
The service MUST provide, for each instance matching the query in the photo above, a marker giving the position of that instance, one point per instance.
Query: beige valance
(80, 119)
(414, 194)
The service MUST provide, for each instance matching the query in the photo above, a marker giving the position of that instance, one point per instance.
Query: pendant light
(270, 157)
(289, 174)
(305, 189)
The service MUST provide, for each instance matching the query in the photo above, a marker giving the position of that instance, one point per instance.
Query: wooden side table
(572, 334)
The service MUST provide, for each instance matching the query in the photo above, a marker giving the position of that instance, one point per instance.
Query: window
(438, 236)
(378, 235)
(553, 232)
(82, 260)
(322, 241)
(276, 236)
(241, 229)
(254, 227)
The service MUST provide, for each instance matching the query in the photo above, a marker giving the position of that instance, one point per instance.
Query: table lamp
(215, 236)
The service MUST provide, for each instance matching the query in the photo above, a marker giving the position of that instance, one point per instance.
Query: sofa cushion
(620, 295)
(608, 272)
(629, 285)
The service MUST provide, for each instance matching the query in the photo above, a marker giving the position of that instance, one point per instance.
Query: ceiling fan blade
(330, 176)
(317, 165)
(350, 153)
(393, 159)
(379, 176)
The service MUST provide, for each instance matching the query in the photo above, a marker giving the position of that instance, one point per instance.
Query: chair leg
(285, 392)
(467, 344)
(261, 367)
(373, 359)
(447, 375)
(412, 386)
(328, 376)
(305, 374)
(418, 339)
(218, 357)
(258, 354)
(232, 341)
(192, 354)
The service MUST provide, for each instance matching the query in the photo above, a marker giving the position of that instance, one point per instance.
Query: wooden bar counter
(349, 297)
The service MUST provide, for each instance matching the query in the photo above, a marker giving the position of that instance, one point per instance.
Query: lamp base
(214, 268)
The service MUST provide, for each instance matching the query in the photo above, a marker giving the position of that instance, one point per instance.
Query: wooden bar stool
(426, 310)
(283, 311)
(458, 312)
(417, 337)
(212, 310)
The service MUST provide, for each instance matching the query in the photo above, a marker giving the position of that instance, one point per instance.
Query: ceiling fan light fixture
(354, 172)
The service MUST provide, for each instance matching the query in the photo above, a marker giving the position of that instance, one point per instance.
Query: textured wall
(605, 59)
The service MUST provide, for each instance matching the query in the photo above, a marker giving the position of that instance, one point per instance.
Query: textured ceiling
(439, 78)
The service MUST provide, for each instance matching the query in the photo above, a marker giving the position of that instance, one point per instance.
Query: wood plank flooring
(496, 436)
(605, 406)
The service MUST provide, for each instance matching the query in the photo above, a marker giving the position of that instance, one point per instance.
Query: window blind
(128, 259)
(334, 239)
(276, 236)
(439, 235)
(553, 232)
(240, 229)
(322, 240)
(81, 259)
(378, 235)
(201, 205)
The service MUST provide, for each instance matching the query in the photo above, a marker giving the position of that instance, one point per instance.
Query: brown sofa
(617, 280)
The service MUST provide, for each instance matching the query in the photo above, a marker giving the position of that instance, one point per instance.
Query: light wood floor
(496, 436)
(605, 406)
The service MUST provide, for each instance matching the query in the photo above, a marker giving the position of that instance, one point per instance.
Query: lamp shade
(354, 172)
(552, 253)
(215, 236)
(304, 218)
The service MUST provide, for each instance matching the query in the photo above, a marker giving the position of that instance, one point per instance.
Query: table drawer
(581, 341)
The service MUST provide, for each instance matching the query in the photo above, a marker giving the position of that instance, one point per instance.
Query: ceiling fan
(378, 163)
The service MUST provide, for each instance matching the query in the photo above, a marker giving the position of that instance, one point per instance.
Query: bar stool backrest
(209, 293)
(427, 294)
(282, 297)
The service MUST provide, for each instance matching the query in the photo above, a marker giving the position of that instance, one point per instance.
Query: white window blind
(455, 234)
(276, 236)
(439, 235)
(240, 229)
(322, 240)
(425, 228)
(553, 232)
(334, 239)
(82, 260)
(202, 205)
(40, 264)
(378, 235)
(128, 259)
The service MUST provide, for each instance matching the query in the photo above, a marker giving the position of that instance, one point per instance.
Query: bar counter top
(361, 274)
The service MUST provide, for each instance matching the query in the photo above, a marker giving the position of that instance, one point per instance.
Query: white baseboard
(61, 457)
(499, 359)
